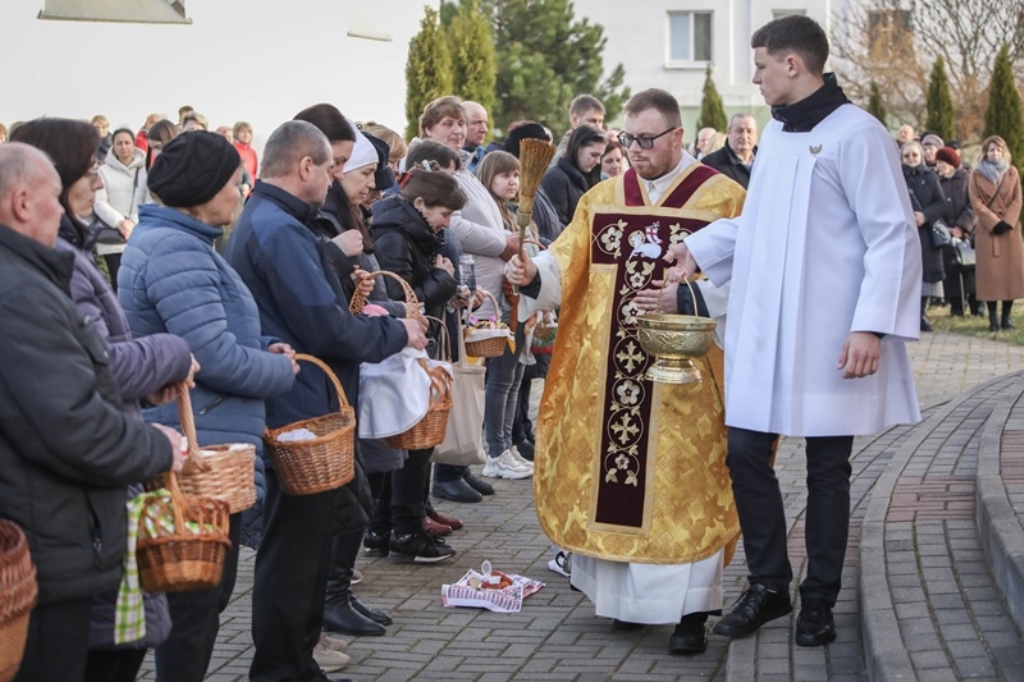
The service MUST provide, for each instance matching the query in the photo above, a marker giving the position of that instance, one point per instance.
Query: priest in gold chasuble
(630, 474)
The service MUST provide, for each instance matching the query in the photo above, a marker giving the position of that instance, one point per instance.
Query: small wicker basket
(188, 555)
(493, 347)
(223, 472)
(18, 591)
(429, 431)
(324, 463)
(412, 305)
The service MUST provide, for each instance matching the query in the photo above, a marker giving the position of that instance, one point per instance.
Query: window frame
(692, 63)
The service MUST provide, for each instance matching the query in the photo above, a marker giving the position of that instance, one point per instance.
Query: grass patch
(978, 326)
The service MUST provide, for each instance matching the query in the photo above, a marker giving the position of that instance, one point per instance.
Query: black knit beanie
(192, 168)
(527, 131)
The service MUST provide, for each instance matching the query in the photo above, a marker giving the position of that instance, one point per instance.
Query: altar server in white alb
(825, 266)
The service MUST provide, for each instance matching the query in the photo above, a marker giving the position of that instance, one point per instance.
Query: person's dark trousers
(407, 485)
(449, 472)
(290, 584)
(380, 488)
(113, 262)
(344, 550)
(114, 666)
(195, 618)
(58, 642)
(763, 519)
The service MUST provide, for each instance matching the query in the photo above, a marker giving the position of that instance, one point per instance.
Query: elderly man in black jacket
(735, 159)
(67, 450)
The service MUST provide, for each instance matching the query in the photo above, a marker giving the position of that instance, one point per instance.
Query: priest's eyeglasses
(645, 141)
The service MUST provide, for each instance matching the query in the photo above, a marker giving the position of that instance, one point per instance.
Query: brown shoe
(443, 519)
(435, 529)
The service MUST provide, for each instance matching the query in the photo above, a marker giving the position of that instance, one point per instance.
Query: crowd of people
(138, 260)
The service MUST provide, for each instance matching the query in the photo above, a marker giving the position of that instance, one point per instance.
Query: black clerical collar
(803, 116)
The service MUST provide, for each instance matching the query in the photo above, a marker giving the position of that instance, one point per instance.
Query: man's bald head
(29, 193)
(476, 124)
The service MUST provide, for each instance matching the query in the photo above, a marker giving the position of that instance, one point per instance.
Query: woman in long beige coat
(995, 193)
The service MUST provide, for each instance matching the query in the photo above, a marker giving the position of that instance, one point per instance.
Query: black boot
(690, 636)
(341, 613)
(1006, 324)
(993, 318)
(925, 324)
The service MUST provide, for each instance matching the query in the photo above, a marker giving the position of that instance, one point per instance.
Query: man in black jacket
(736, 157)
(67, 449)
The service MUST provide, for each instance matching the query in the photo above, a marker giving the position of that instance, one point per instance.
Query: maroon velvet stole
(635, 243)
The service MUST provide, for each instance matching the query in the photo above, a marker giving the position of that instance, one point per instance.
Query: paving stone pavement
(557, 636)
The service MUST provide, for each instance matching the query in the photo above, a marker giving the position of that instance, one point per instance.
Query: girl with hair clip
(407, 228)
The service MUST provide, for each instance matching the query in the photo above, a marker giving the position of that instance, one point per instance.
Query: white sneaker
(329, 659)
(520, 460)
(505, 466)
(333, 642)
(561, 564)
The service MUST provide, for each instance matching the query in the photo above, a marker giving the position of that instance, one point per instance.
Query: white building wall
(260, 61)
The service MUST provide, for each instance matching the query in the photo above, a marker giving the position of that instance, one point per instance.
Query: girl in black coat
(576, 172)
(929, 205)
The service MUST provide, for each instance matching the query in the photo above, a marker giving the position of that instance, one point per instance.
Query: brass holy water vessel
(674, 341)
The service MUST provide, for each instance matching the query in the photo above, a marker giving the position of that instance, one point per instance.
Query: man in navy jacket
(283, 262)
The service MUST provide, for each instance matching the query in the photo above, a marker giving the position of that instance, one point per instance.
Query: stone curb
(885, 654)
(999, 530)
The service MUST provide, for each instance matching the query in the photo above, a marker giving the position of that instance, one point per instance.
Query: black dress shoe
(526, 449)
(456, 491)
(689, 637)
(626, 625)
(814, 625)
(754, 608)
(375, 544)
(345, 619)
(376, 615)
(478, 484)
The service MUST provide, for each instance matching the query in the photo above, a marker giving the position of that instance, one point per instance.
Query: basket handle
(440, 382)
(412, 304)
(178, 500)
(444, 334)
(693, 295)
(195, 462)
(494, 302)
(342, 398)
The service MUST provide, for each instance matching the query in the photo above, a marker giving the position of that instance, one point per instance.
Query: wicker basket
(429, 431)
(324, 463)
(412, 305)
(487, 348)
(189, 555)
(223, 472)
(18, 591)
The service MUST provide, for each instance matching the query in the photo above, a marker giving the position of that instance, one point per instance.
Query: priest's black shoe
(690, 637)
(626, 625)
(456, 491)
(815, 626)
(478, 484)
(344, 618)
(376, 615)
(754, 608)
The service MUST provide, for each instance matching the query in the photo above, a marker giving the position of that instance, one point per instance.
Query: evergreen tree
(428, 71)
(941, 116)
(876, 107)
(471, 45)
(545, 58)
(1004, 116)
(712, 113)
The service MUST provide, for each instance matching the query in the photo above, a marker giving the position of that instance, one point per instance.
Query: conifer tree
(471, 44)
(428, 70)
(712, 113)
(941, 115)
(1004, 116)
(876, 107)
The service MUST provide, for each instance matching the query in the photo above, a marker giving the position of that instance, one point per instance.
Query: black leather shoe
(526, 449)
(376, 615)
(478, 484)
(375, 544)
(345, 619)
(754, 608)
(456, 491)
(626, 625)
(689, 637)
(814, 625)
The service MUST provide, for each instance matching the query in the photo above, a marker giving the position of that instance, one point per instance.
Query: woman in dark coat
(929, 205)
(575, 172)
(959, 216)
(145, 369)
(172, 280)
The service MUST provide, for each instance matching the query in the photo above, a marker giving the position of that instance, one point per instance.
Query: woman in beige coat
(995, 192)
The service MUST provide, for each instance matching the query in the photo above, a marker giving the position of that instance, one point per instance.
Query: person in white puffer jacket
(117, 204)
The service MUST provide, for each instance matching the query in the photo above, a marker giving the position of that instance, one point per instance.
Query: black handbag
(940, 235)
(964, 255)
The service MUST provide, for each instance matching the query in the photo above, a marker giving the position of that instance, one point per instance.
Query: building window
(689, 38)
(779, 13)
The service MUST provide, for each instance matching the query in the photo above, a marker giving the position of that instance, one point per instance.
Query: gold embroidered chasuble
(628, 469)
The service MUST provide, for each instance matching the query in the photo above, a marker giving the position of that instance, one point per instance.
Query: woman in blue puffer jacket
(172, 280)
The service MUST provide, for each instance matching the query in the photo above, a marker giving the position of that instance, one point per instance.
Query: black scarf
(803, 116)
